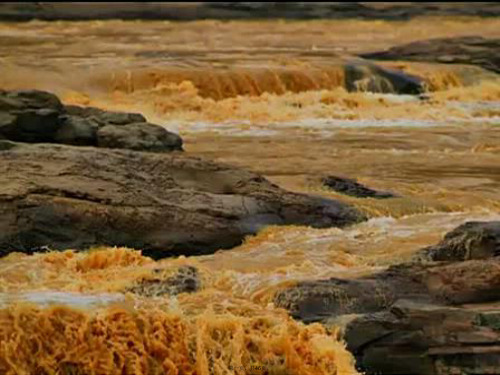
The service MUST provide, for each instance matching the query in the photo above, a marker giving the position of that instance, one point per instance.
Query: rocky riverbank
(439, 314)
(57, 197)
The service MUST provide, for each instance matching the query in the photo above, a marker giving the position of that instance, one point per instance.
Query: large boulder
(474, 50)
(472, 240)
(29, 116)
(64, 197)
(39, 117)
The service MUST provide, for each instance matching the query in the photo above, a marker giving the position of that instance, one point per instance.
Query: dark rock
(364, 76)
(351, 187)
(473, 281)
(473, 50)
(30, 125)
(140, 136)
(78, 197)
(186, 280)
(103, 117)
(418, 338)
(33, 99)
(39, 117)
(472, 240)
(76, 130)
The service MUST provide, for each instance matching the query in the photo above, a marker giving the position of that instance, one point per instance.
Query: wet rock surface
(35, 116)
(473, 50)
(69, 197)
(472, 240)
(368, 77)
(422, 317)
(353, 188)
(186, 280)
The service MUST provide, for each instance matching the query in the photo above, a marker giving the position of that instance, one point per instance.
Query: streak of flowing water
(270, 97)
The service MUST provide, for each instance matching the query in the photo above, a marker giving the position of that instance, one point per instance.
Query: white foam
(50, 297)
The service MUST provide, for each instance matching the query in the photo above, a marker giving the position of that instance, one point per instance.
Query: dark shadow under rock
(39, 117)
(473, 50)
(68, 197)
(186, 280)
(352, 188)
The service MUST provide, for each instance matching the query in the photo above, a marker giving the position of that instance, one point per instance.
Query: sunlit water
(269, 97)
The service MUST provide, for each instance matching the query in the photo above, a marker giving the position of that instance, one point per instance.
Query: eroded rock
(165, 204)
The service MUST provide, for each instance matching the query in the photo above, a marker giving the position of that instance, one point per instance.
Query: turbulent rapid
(268, 96)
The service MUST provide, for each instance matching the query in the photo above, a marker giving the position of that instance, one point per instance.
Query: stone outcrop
(39, 117)
(473, 50)
(423, 317)
(353, 188)
(64, 197)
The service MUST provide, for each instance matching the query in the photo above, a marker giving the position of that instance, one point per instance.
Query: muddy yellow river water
(266, 96)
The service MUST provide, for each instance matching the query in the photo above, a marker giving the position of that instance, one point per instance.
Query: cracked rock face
(67, 197)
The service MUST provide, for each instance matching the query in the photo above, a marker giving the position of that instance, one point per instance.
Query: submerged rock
(186, 280)
(39, 117)
(368, 77)
(351, 187)
(431, 317)
(473, 50)
(165, 204)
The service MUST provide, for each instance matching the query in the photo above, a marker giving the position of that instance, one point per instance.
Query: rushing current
(267, 96)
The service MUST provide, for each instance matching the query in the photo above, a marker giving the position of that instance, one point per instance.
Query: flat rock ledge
(35, 116)
(74, 197)
(472, 50)
(439, 314)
